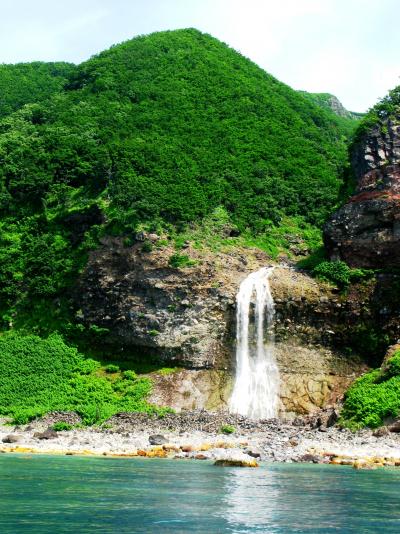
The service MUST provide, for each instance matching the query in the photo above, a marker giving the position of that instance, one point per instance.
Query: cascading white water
(255, 393)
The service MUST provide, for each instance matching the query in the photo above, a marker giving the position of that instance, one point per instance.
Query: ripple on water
(43, 494)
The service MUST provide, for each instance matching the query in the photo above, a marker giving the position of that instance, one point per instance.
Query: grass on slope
(374, 396)
(40, 375)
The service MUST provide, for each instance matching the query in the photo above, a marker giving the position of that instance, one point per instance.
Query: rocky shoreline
(205, 436)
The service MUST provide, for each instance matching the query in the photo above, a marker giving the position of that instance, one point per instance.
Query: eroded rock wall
(182, 316)
(365, 232)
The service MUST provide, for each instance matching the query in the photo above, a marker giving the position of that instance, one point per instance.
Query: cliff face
(365, 232)
(187, 318)
(181, 316)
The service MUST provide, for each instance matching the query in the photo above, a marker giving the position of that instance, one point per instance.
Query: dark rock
(157, 439)
(254, 453)
(310, 458)
(79, 222)
(332, 419)
(47, 434)
(365, 232)
(381, 432)
(394, 427)
(12, 438)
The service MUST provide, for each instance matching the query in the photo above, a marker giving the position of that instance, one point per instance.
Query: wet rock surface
(317, 317)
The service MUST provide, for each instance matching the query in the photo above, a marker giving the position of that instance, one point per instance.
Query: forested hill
(26, 83)
(173, 125)
(160, 130)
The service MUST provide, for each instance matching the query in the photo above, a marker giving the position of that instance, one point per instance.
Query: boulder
(381, 432)
(254, 453)
(12, 438)
(235, 459)
(157, 439)
(235, 462)
(310, 459)
(394, 427)
(47, 434)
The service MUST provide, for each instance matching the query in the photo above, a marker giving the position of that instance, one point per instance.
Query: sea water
(58, 494)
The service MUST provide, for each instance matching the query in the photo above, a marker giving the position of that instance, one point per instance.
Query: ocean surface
(58, 494)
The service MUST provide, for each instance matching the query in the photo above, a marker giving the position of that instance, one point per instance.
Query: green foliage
(111, 368)
(26, 83)
(62, 426)
(217, 232)
(371, 342)
(87, 366)
(227, 429)
(165, 371)
(153, 333)
(376, 118)
(129, 375)
(312, 261)
(147, 246)
(392, 368)
(388, 107)
(339, 273)
(180, 261)
(348, 119)
(40, 375)
(373, 397)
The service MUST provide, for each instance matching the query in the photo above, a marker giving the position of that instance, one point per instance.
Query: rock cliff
(365, 232)
(186, 318)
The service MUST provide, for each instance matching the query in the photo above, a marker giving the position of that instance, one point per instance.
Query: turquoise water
(49, 495)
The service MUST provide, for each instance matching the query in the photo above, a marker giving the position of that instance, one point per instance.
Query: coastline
(138, 435)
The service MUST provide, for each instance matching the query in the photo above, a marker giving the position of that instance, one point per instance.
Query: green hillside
(179, 114)
(25, 83)
(332, 103)
(161, 130)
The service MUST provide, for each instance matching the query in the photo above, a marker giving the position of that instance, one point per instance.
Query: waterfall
(255, 393)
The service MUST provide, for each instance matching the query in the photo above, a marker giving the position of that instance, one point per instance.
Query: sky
(350, 48)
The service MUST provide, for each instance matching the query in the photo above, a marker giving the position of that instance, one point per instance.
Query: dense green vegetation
(374, 397)
(339, 273)
(40, 375)
(388, 107)
(331, 104)
(26, 83)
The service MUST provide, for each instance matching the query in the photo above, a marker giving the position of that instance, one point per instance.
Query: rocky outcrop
(365, 318)
(365, 232)
(189, 389)
(186, 317)
(179, 315)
